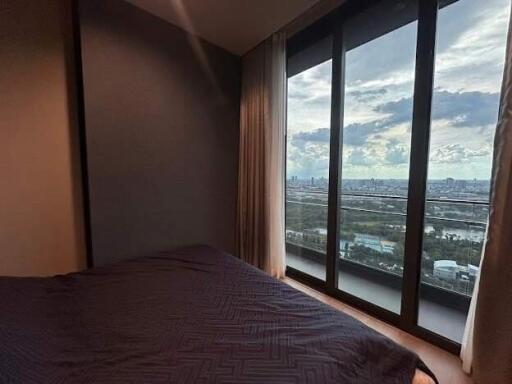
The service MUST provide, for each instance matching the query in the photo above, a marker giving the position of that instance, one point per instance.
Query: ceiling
(235, 25)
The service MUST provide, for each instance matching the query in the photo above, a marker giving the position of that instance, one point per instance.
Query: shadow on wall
(162, 117)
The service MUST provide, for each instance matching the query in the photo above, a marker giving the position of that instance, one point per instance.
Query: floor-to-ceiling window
(392, 97)
(470, 54)
(307, 165)
(377, 120)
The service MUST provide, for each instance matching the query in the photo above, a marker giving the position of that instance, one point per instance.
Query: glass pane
(471, 39)
(307, 168)
(379, 86)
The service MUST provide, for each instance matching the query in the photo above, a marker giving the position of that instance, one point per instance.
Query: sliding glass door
(377, 119)
(392, 108)
(307, 160)
(471, 39)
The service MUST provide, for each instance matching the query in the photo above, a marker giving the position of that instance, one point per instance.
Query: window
(374, 214)
(379, 84)
(307, 165)
(471, 39)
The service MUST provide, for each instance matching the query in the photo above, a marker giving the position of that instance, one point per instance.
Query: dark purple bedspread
(194, 315)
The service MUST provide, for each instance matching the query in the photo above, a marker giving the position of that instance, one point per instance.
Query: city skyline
(290, 177)
(448, 188)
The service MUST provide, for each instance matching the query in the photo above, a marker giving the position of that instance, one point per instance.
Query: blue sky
(378, 100)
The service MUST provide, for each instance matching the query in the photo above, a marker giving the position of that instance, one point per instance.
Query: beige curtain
(466, 352)
(260, 222)
(491, 345)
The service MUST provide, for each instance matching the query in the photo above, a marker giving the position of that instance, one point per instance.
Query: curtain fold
(466, 351)
(260, 220)
(488, 340)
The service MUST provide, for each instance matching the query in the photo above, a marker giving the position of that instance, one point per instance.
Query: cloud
(457, 153)
(470, 49)
(312, 83)
(463, 109)
(321, 100)
(307, 158)
(322, 72)
(396, 153)
(391, 153)
(362, 157)
(379, 103)
(297, 93)
(367, 95)
(319, 135)
(379, 59)
(399, 111)
(357, 134)
(466, 109)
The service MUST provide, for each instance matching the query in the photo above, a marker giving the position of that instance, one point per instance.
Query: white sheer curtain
(487, 343)
(466, 352)
(260, 229)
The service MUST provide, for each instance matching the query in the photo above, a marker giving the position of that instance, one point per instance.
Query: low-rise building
(446, 269)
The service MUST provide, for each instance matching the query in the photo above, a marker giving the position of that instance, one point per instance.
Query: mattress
(193, 315)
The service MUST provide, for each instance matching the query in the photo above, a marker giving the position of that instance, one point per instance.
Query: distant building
(293, 234)
(373, 242)
(472, 271)
(387, 246)
(450, 270)
(446, 269)
(316, 235)
(345, 247)
(449, 182)
(461, 184)
(468, 273)
(368, 241)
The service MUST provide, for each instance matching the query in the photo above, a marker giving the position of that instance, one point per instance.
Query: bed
(193, 315)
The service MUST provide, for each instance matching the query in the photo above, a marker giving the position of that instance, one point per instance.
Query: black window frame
(332, 25)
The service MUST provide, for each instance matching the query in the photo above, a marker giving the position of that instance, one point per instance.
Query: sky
(379, 82)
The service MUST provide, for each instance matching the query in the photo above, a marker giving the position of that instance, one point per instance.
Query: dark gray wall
(162, 114)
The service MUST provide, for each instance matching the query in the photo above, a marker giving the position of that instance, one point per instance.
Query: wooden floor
(446, 366)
